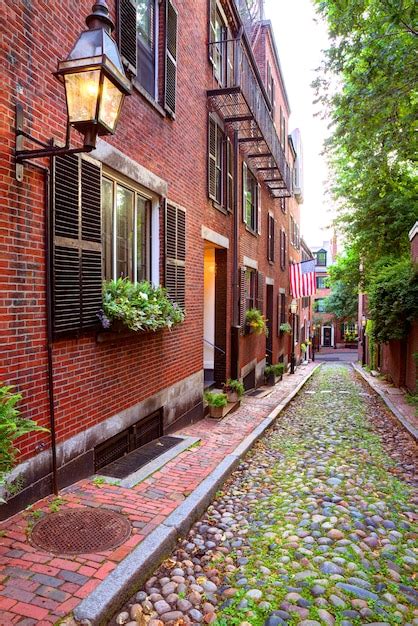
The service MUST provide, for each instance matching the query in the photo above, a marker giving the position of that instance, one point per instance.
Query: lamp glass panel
(82, 89)
(110, 104)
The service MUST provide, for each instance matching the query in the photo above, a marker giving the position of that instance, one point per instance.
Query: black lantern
(94, 80)
(95, 86)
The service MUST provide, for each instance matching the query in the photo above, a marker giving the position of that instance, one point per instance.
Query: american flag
(302, 279)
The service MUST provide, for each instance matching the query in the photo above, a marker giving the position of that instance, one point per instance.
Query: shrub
(277, 370)
(256, 321)
(285, 328)
(216, 399)
(234, 386)
(393, 298)
(138, 306)
(12, 426)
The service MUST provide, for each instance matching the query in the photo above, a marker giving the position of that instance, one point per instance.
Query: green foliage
(393, 299)
(139, 306)
(12, 426)
(369, 331)
(343, 301)
(303, 347)
(216, 399)
(277, 369)
(235, 386)
(256, 321)
(285, 328)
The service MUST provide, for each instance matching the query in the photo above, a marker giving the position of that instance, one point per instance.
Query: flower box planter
(272, 380)
(233, 397)
(351, 345)
(218, 413)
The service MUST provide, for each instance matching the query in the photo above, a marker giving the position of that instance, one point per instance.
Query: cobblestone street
(316, 526)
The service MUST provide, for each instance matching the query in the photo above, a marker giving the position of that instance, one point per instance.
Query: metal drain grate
(80, 531)
(121, 468)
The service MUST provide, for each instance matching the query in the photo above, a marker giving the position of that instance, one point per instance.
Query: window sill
(220, 208)
(251, 231)
(144, 93)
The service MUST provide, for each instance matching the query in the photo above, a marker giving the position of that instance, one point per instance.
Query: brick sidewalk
(37, 588)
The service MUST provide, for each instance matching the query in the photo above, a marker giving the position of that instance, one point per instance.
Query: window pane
(141, 225)
(124, 234)
(145, 22)
(107, 216)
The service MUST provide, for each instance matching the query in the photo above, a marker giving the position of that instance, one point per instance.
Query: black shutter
(229, 176)
(77, 244)
(260, 292)
(175, 254)
(212, 146)
(270, 238)
(170, 58)
(242, 296)
(127, 34)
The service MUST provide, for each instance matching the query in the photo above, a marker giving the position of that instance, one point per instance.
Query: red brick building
(193, 191)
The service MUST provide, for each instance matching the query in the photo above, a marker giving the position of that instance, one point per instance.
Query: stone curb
(401, 418)
(122, 582)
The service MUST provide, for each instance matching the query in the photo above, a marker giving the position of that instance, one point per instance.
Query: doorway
(327, 343)
(214, 315)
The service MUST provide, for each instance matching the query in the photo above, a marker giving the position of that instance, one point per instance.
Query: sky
(300, 40)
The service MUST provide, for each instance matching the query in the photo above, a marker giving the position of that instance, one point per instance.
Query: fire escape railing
(239, 98)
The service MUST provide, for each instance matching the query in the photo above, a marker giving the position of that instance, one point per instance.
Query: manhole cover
(80, 531)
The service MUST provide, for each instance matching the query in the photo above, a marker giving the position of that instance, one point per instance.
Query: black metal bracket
(46, 150)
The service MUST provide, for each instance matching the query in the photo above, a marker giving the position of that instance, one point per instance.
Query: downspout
(48, 302)
(48, 278)
(235, 334)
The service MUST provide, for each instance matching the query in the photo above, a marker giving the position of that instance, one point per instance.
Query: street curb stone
(401, 418)
(122, 582)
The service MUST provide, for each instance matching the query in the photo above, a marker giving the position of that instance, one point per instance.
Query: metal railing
(234, 69)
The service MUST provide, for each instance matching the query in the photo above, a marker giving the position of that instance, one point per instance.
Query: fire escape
(239, 98)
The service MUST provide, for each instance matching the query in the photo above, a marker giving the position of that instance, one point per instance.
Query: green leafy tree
(343, 301)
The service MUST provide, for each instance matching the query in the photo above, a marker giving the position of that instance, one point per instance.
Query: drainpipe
(235, 330)
(48, 278)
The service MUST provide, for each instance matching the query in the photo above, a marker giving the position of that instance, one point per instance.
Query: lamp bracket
(46, 150)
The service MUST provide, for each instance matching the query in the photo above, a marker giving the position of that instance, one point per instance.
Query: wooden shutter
(229, 176)
(127, 34)
(212, 149)
(171, 18)
(270, 238)
(244, 193)
(260, 292)
(258, 208)
(242, 296)
(212, 29)
(175, 254)
(77, 244)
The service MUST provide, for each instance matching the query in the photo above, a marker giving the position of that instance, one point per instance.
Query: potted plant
(256, 322)
(285, 328)
(274, 373)
(217, 403)
(234, 390)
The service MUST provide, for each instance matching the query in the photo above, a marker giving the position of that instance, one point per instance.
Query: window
(296, 327)
(221, 48)
(126, 217)
(306, 301)
(250, 288)
(281, 311)
(220, 167)
(283, 249)
(294, 233)
(283, 204)
(146, 19)
(270, 88)
(282, 129)
(321, 258)
(320, 305)
(270, 238)
(140, 41)
(321, 282)
(250, 199)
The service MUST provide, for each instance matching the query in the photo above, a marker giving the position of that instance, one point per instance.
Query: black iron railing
(239, 97)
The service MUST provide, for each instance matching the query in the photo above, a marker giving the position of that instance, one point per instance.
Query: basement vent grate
(126, 465)
(80, 531)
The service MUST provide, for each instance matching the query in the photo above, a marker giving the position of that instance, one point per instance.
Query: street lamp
(95, 86)
(293, 310)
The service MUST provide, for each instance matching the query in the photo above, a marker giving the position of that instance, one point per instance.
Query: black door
(327, 337)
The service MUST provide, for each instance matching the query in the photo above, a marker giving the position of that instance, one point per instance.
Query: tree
(343, 301)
